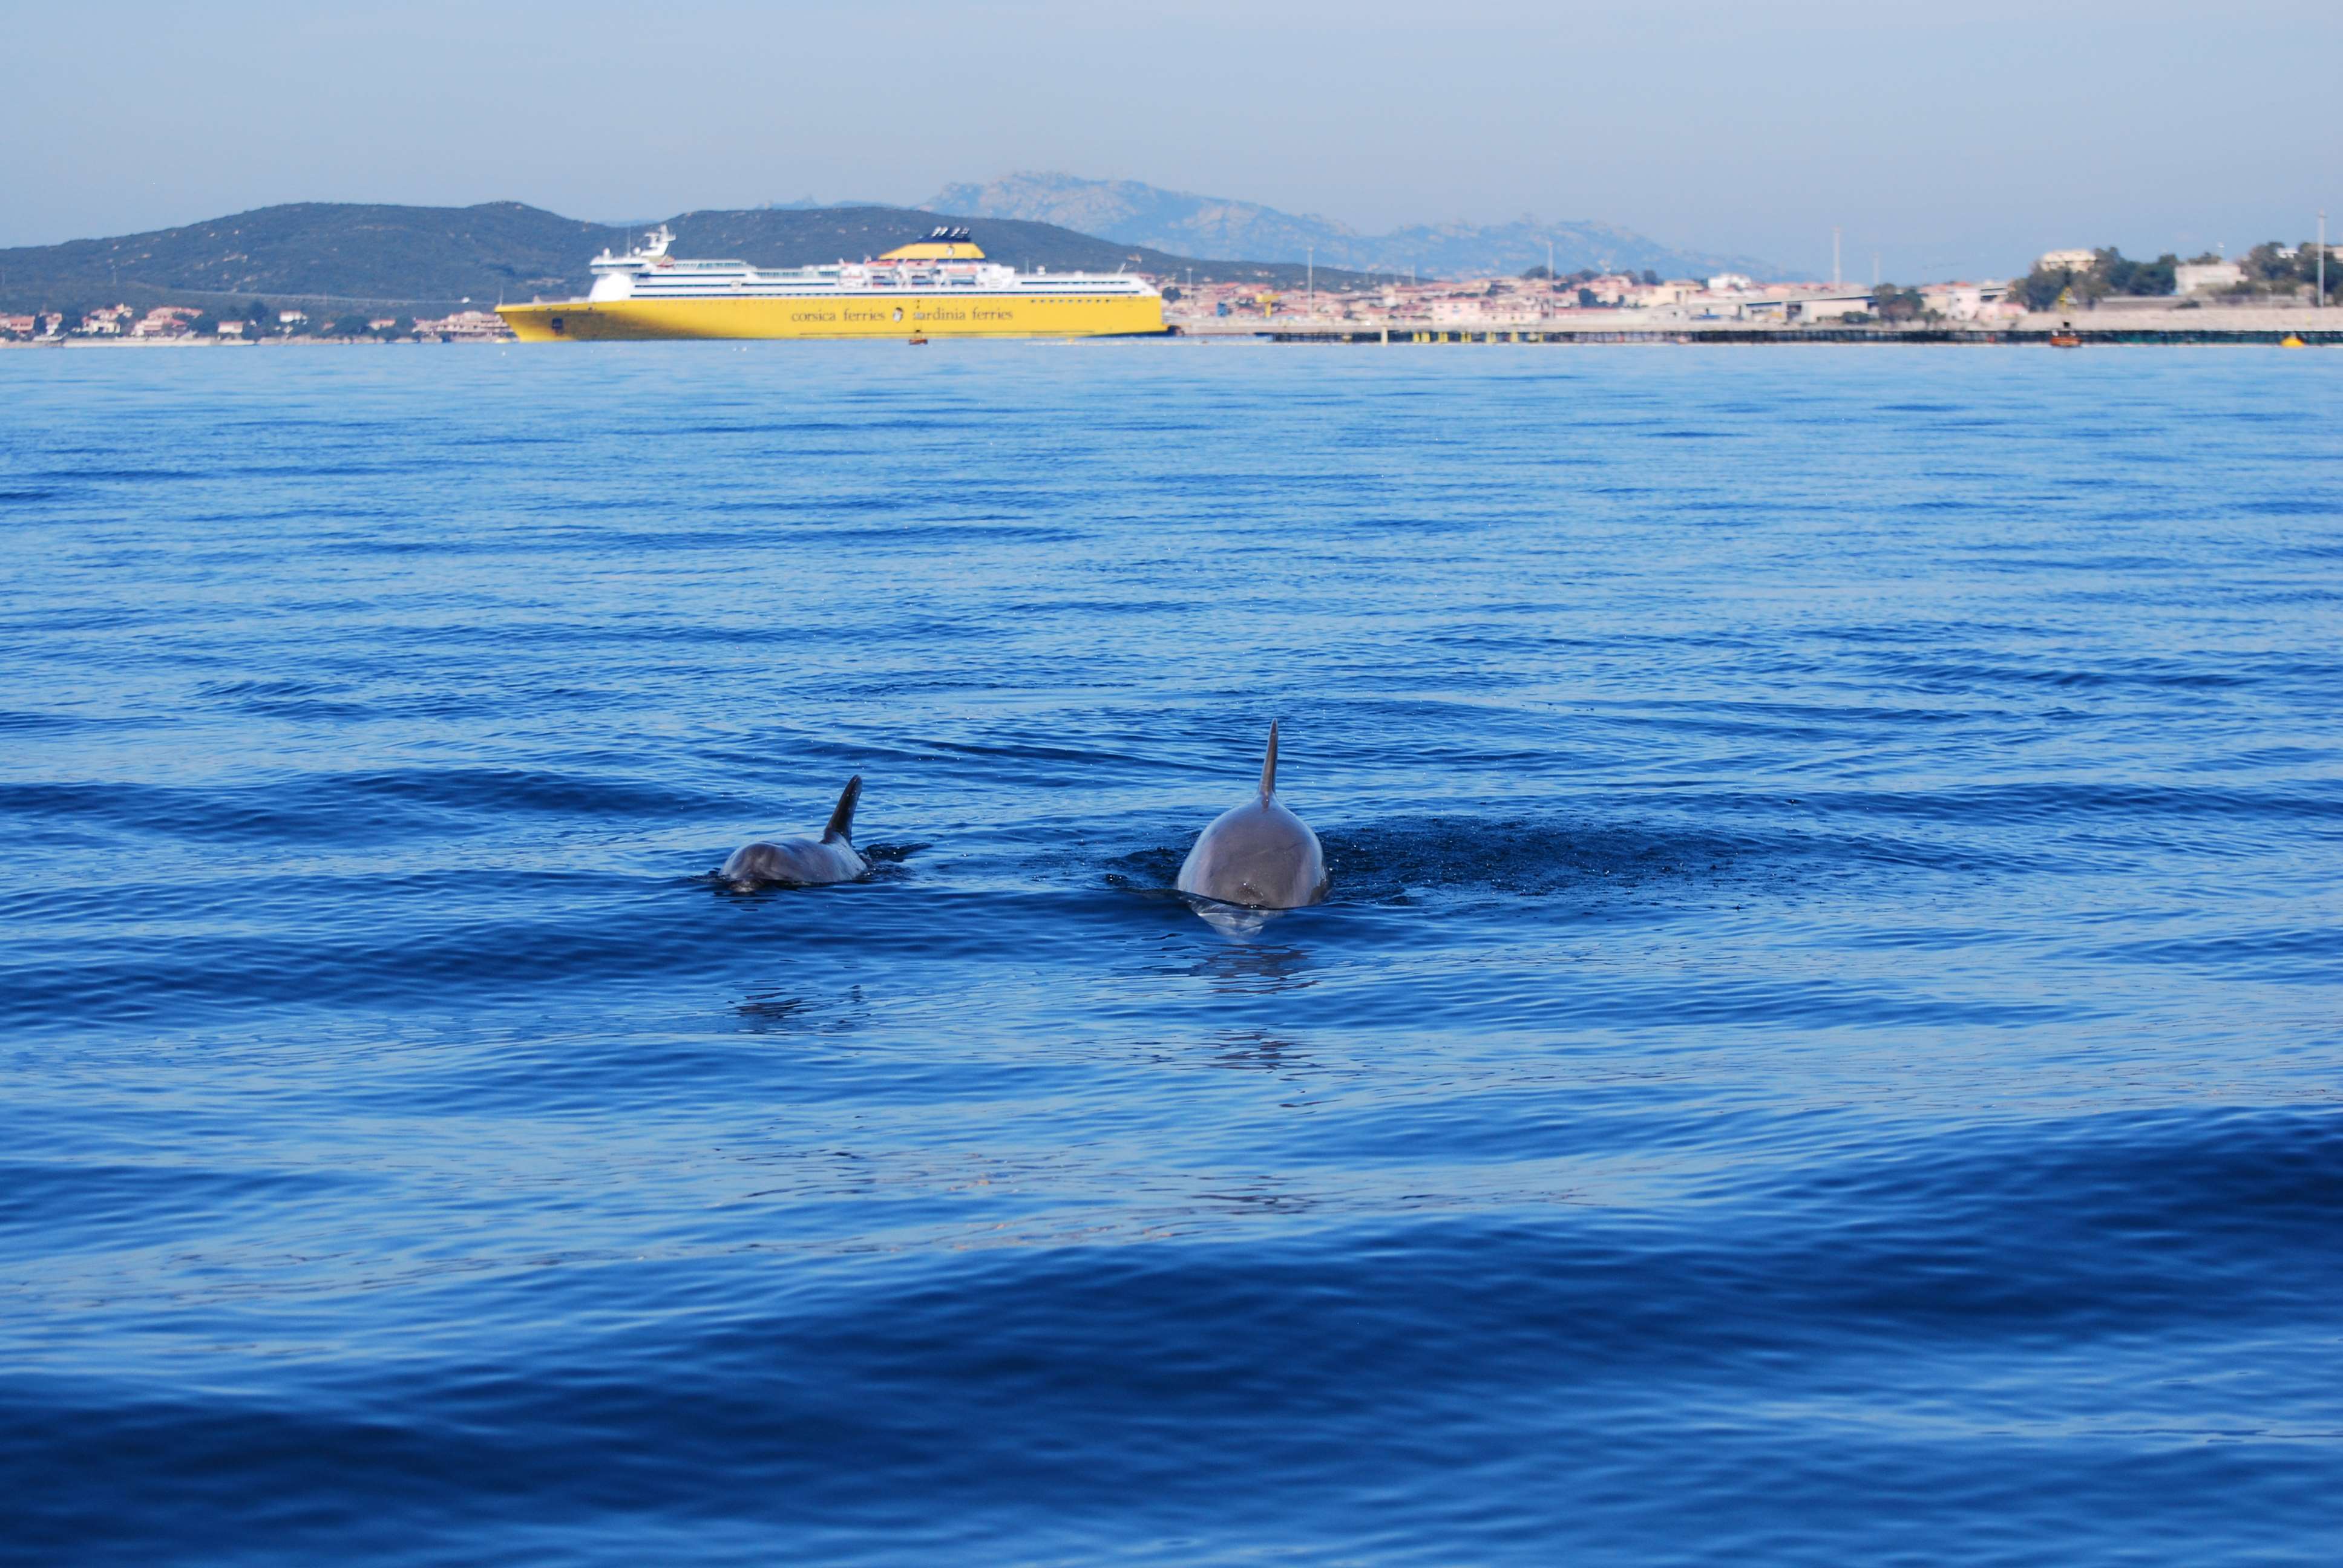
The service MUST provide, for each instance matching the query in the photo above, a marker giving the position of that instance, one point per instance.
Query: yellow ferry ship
(940, 287)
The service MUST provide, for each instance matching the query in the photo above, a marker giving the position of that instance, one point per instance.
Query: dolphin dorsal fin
(1269, 764)
(841, 822)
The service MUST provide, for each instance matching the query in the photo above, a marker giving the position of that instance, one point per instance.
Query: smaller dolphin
(804, 862)
(1259, 854)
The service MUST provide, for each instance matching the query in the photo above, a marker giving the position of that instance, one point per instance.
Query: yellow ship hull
(855, 316)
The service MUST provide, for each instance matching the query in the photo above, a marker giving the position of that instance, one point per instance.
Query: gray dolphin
(804, 862)
(1258, 854)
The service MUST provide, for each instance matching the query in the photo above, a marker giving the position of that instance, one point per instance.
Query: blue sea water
(1826, 1045)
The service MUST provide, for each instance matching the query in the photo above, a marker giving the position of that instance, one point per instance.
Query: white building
(1969, 301)
(464, 324)
(166, 321)
(1458, 312)
(2207, 277)
(2066, 261)
(1731, 283)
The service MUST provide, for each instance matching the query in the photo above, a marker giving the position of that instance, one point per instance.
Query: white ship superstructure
(946, 262)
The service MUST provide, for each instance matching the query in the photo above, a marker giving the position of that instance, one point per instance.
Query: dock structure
(2129, 333)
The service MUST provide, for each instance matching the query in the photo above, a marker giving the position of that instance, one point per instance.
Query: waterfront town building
(2207, 277)
(463, 325)
(166, 321)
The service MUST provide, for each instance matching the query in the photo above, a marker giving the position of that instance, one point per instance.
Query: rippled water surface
(1823, 1047)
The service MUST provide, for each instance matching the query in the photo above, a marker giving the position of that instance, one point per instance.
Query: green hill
(433, 257)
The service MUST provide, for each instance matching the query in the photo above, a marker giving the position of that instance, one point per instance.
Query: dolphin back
(804, 862)
(1260, 855)
(793, 862)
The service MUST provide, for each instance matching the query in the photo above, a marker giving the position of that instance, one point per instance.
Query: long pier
(1273, 331)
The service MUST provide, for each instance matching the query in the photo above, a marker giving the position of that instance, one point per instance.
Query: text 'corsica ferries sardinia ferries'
(939, 286)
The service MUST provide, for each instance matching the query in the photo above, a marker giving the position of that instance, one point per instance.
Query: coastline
(2233, 326)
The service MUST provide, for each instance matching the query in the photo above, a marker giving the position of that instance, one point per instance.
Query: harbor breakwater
(2243, 325)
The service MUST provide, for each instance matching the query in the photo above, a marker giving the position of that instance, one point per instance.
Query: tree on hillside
(2268, 263)
(1893, 304)
(2060, 287)
(1651, 279)
(1537, 274)
(2110, 272)
(2138, 279)
(2038, 289)
(2280, 269)
(2090, 286)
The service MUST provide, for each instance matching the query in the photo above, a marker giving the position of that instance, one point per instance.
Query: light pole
(1310, 275)
(1835, 277)
(2322, 258)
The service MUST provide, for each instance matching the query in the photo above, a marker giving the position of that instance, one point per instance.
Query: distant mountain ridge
(439, 256)
(1139, 214)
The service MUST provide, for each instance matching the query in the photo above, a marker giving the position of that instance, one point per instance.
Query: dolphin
(1259, 854)
(804, 862)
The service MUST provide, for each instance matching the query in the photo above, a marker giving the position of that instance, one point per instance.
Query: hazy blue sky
(1953, 139)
